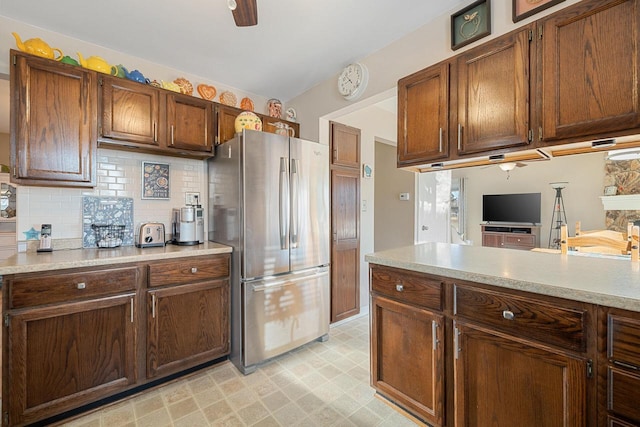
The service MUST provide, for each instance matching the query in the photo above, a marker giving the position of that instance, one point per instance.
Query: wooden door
(591, 69)
(189, 123)
(187, 325)
(345, 221)
(130, 112)
(67, 355)
(492, 240)
(345, 245)
(53, 129)
(345, 146)
(423, 116)
(407, 357)
(493, 94)
(501, 381)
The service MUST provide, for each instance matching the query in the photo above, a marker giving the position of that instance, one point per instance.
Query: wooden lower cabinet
(74, 337)
(503, 381)
(458, 353)
(66, 355)
(407, 357)
(199, 308)
(619, 367)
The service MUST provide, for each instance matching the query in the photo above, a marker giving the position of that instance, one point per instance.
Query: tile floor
(319, 384)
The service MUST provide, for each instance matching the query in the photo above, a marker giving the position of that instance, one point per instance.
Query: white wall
(584, 172)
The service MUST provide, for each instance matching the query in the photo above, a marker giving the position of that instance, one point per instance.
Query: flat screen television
(523, 208)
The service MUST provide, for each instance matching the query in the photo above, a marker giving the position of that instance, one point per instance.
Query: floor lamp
(559, 216)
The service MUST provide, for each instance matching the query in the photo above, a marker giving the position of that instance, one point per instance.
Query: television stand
(511, 236)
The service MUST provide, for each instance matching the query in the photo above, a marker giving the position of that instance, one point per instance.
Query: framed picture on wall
(525, 8)
(470, 24)
(155, 180)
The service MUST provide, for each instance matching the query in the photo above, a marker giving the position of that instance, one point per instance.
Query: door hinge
(100, 81)
(590, 368)
(14, 172)
(6, 418)
(540, 133)
(540, 32)
(15, 60)
(530, 35)
(530, 135)
(217, 140)
(6, 320)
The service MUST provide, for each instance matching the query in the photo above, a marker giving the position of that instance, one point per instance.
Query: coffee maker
(184, 226)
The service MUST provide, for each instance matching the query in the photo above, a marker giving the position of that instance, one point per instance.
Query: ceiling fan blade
(246, 13)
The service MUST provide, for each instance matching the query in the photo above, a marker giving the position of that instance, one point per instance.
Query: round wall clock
(353, 80)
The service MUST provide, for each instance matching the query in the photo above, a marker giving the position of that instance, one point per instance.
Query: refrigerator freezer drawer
(283, 313)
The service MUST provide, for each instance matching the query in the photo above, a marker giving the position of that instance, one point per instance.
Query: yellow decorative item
(247, 120)
(98, 64)
(37, 47)
(170, 86)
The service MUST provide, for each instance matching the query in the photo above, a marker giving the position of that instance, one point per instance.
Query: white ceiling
(296, 44)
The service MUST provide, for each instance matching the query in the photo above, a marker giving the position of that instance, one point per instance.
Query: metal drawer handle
(194, 270)
(508, 314)
(81, 285)
(399, 287)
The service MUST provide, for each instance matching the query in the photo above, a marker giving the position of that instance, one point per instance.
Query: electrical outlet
(191, 199)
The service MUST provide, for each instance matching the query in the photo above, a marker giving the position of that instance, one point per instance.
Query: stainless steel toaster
(151, 234)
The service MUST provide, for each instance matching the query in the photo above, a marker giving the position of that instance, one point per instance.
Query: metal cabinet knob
(508, 314)
(399, 287)
(194, 270)
(81, 285)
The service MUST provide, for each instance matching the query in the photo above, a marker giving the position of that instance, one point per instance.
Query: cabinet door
(53, 114)
(501, 381)
(345, 247)
(591, 69)
(187, 325)
(423, 116)
(407, 357)
(189, 123)
(67, 355)
(129, 111)
(493, 95)
(492, 240)
(226, 128)
(268, 125)
(345, 146)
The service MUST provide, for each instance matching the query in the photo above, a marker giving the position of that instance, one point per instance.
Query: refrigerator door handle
(295, 215)
(283, 197)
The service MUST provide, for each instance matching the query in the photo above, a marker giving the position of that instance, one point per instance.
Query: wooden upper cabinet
(53, 123)
(345, 146)
(423, 115)
(189, 123)
(226, 118)
(493, 93)
(591, 70)
(268, 125)
(130, 112)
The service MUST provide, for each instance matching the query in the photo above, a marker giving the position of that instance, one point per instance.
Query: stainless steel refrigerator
(269, 199)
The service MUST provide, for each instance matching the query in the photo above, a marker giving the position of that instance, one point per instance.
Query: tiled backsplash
(119, 174)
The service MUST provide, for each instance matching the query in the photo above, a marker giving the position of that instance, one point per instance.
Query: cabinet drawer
(188, 270)
(55, 288)
(623, 340)
(624, 394)
(523, 317)
(520, 240)
(407, 287)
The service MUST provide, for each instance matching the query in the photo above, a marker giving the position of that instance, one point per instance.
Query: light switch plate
(192, 198)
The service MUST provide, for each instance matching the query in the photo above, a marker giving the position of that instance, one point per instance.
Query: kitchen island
(468, 335)
(86, 325)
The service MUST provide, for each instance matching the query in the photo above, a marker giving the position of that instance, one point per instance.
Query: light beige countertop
(28, 262)
(604, 281)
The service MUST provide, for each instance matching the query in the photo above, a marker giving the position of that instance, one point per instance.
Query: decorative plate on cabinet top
(247, 104)
(228, 98)
(207, 92)
(291, 114)
(170, 86)
(185, 85)
(274, 108)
